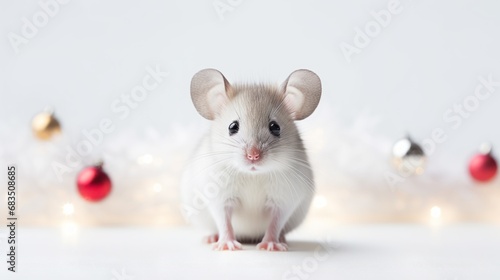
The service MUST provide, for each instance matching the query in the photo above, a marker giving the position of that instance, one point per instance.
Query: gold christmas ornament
(408, 157)
(45, 125)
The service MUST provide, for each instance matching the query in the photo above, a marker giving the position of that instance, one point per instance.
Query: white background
(427, 59)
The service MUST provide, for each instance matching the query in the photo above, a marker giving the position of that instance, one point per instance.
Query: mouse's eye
(234, 127)
(274, 128)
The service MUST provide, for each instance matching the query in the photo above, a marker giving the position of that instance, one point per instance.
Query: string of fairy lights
(408, 158)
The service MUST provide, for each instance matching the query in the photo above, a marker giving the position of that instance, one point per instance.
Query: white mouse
(250, 178)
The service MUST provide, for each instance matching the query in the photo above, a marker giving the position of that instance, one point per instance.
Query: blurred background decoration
(117, 78)
(408, 157)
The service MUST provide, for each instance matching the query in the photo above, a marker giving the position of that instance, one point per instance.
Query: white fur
(290, 189)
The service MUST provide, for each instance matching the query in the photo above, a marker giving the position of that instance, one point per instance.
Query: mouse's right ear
(210, 91)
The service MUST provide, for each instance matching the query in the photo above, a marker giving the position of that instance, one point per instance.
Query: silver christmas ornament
(408, 157)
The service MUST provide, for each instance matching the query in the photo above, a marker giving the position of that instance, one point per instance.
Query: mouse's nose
(253, 154)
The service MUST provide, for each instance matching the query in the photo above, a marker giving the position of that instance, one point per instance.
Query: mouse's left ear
(210, 91)
(302, 92)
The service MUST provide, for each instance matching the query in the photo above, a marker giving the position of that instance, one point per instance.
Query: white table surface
(467, 251)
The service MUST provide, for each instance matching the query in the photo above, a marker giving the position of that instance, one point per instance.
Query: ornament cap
(408, 136)
(49, 110)
(486, 148)
(99, 163)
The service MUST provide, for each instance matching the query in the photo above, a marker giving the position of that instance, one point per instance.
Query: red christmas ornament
(93, 183)
(483, 167)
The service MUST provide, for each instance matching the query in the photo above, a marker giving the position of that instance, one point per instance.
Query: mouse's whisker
(214, 165)
(209, 158)
(212, 154)
(302, 161)
(224, 138)
(289, 183)
(302, 165)
(231, 145)
(305, 179)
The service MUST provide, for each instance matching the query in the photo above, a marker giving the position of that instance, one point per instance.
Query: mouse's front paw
(230, 245)
(272, 246)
